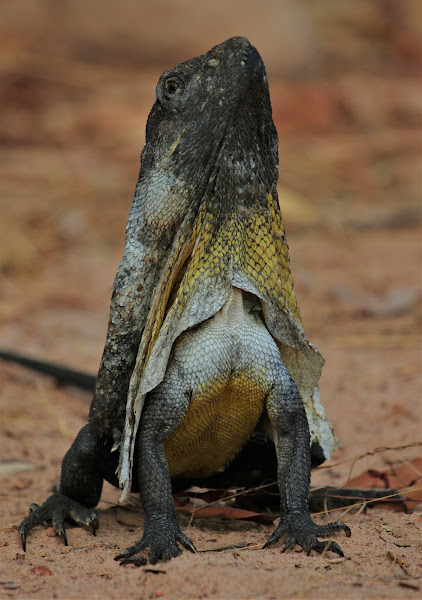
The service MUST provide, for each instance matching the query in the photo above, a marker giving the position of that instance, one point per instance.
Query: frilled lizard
(205, 343)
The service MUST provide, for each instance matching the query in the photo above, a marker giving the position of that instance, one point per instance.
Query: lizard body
(205, 340)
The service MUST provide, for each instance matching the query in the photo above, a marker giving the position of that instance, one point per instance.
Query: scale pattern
(220, 373)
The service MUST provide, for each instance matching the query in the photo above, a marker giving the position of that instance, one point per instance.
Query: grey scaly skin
(205, 341)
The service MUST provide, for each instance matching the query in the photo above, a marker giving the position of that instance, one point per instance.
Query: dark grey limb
(288, 418)
(80, 489)
(164, 410)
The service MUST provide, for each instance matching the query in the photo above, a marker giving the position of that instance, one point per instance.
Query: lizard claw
(276, 535)
(347, 531)
(93, 525)
(23, 538)
(290, 542)
(61, 531)
(187, 543)
(334, 547)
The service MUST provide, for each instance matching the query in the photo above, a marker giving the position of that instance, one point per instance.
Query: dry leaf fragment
(11, 467)
(337, 561)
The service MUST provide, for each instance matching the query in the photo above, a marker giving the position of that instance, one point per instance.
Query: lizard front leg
(288, 417)
(163, 411)
(80, 489)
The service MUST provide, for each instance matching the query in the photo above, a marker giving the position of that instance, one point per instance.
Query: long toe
(23, 538)
(132, 550)
(160, 553)
(84, 516)
(289, 542)
(334, 547)
(323, 547)
(330, 528)
(186, 543)
(59, 528)
(276, 535)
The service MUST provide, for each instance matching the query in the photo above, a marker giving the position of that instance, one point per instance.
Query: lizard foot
(300, 529)
(162, 542)
(57, 508)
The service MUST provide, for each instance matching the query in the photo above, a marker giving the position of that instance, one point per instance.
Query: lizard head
(214, 111)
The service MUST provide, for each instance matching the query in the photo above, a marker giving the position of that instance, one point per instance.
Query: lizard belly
(218, 422)
(225, 367)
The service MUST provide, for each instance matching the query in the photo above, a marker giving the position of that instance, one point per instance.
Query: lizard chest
(220, 419)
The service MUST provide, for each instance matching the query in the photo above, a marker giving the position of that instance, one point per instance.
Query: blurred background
(77, 80)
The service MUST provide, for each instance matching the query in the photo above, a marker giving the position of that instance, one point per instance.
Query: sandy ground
(71, 132)
(371, 388)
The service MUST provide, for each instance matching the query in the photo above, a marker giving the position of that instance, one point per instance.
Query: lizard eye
(173, 87)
